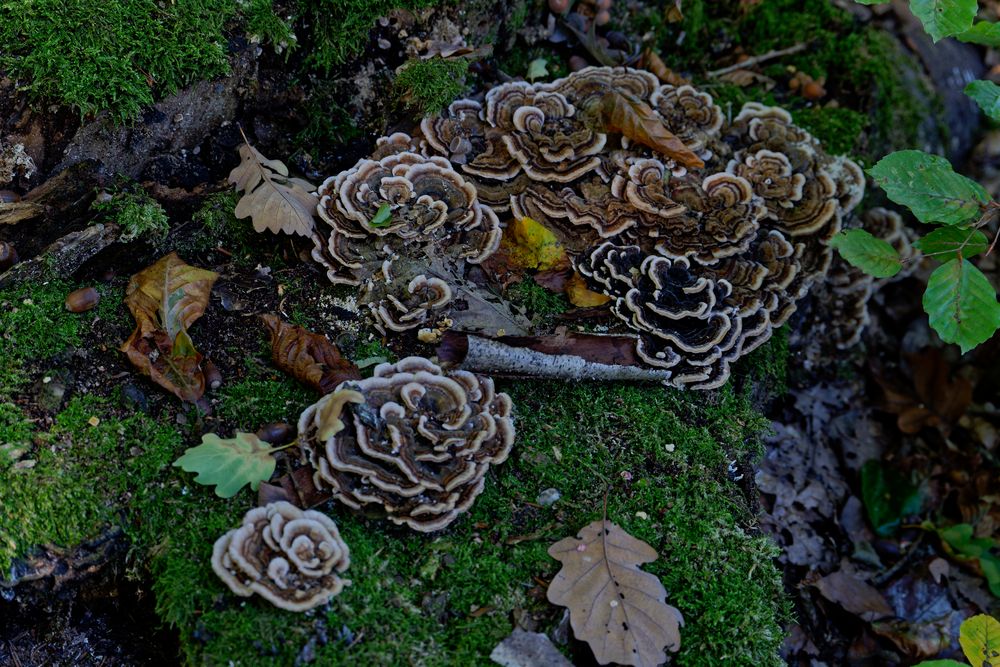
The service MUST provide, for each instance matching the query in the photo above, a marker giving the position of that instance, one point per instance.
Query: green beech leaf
(871, 2)
(987, 95)
(943, 243)
(961, 304)
(990, 566)
(929, 187)
(940, 663)
(943, 18)
(888, 496)
(982, 32)
(872, 255)
(229, 464)
(383, 216)
(980, 639)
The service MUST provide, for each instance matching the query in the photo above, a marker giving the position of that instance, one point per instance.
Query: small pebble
(548, 497)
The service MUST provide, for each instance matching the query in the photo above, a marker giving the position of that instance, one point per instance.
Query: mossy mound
(665, 459)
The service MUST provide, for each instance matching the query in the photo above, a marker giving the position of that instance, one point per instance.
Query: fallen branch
(64, 257)
(756, 60)
(563, 356)
(69, 189)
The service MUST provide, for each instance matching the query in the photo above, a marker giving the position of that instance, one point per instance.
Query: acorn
(277, 433)
(577, 63)
(8, 256)
(603, 17)
(82, 300)
(559, 6)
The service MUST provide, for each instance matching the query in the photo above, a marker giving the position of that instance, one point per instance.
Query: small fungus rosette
(292, 558)
(414, 442)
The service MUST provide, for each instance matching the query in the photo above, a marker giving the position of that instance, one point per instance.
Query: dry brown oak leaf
(618, 609)
(165, 299)
(271, 199)
(624, 113)
(308, 357)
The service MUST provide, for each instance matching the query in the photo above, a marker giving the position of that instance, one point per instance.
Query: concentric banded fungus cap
(691, 115)
(418, 446)
(592, 83)
(426, 201)
(685, 320)
(290, 557)
(461, 135)
(543, 132)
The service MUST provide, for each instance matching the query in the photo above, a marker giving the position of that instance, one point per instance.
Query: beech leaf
(614, 606)
(929, 187)
(527, 244)
(961, 304)
(229, 464)
(987, 95)
(945, 242)
(273, 201)
(872, 255)
(165, 299)
(623, 113)
(943, 18)
(980, 639)
(582, 296)
(308, 357)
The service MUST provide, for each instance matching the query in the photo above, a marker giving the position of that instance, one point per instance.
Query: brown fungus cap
(290, 557)
(418, 446)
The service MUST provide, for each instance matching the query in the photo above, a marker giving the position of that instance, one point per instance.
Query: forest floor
(801, 512)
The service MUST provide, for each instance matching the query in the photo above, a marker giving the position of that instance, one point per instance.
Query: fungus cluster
(290, 557)
(701, 253)
(413, 441)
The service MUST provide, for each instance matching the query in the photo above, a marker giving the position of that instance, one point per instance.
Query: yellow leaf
(529, 245)
(580, 295)
(980, 640)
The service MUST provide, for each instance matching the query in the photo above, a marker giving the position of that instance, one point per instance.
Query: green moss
(339, 28)
(536, 299)
(34, 326)
(429, 85)
(96, 55)
(265, 396)
(838, 129)
(263, 23)
(80, 475)
(140, 216)
(218, 227)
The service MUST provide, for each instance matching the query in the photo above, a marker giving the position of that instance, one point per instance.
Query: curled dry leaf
(614, 606)
(627, 114)
(165, 299)
(580, 295)
(271, 199)
(308, 357)
(654, 63)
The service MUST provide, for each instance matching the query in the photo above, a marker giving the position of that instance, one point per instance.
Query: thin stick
(756, 60)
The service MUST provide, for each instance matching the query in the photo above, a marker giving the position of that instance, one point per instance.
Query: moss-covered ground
(668, 461)
(672, 464)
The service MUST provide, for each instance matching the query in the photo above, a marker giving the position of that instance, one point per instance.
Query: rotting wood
(562, 356)
(67, 190)
(65, 256)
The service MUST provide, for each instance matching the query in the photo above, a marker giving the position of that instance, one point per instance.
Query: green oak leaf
(872, 255)
(982, 32)
(961, 304)
(383, 216)
(980, 639)
(929, 187)
(229, 464)
(537, 69)
(987, 95)
(943, 18)
(943, 243)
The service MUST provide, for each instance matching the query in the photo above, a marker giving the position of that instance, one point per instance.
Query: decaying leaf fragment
(165, 299)
(614, 606)
(271, 199)
(308, 357)
(630, 116)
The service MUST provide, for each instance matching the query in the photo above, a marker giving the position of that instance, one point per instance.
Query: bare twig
(756, 60)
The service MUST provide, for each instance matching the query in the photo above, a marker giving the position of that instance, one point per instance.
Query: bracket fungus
(293, 558)
(415, 440)
(704, 232)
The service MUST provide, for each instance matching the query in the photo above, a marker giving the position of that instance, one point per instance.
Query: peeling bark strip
(69, 189)
(564, 356)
